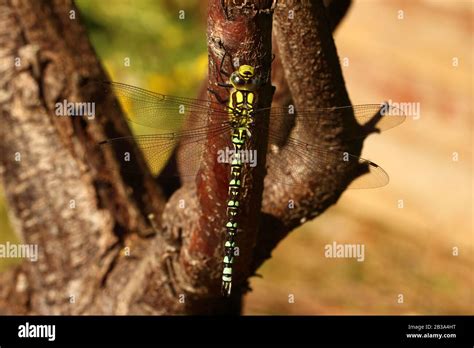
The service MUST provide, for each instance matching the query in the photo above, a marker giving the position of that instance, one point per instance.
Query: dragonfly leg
(221, 65)
(222, 71)
(219, 99)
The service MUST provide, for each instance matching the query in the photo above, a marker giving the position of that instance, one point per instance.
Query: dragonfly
(235, 120)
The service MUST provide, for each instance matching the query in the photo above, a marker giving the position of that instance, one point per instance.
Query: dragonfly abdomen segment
(239, 137)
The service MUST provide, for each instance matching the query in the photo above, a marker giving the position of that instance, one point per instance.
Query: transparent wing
(291, 166)
(157, 110)
(157, 149)
(379, 116)
(299, 162)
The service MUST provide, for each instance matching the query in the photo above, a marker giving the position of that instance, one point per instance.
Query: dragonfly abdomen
(239, 136)
(241, 109)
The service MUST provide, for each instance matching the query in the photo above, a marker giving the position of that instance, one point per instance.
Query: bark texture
(89, 219)
(313, 75)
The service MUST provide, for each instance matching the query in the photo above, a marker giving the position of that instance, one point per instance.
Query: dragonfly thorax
(241, 108)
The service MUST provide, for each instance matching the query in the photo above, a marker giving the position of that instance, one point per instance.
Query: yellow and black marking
(242, 103)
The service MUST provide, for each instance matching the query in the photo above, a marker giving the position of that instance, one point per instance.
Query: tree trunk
(91, 221)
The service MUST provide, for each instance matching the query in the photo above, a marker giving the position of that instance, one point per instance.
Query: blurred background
(404, 51)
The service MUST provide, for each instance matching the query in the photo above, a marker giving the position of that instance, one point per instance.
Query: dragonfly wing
(370, 116)
(381, 117)
(298, 162)
(157, 110)
(158, 148)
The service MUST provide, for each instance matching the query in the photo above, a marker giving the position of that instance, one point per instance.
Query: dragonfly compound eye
(237, 80)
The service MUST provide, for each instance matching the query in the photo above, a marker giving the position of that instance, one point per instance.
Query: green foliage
(164, 40)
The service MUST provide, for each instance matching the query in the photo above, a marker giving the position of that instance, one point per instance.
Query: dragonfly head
(244, 78)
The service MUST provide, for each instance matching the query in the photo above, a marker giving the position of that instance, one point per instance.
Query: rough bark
(236, 31)
(311, 67)
(59, 185)
(93, 252)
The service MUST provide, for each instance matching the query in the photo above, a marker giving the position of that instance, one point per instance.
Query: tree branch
(314, 76)
(59, 185)
(242, 30)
